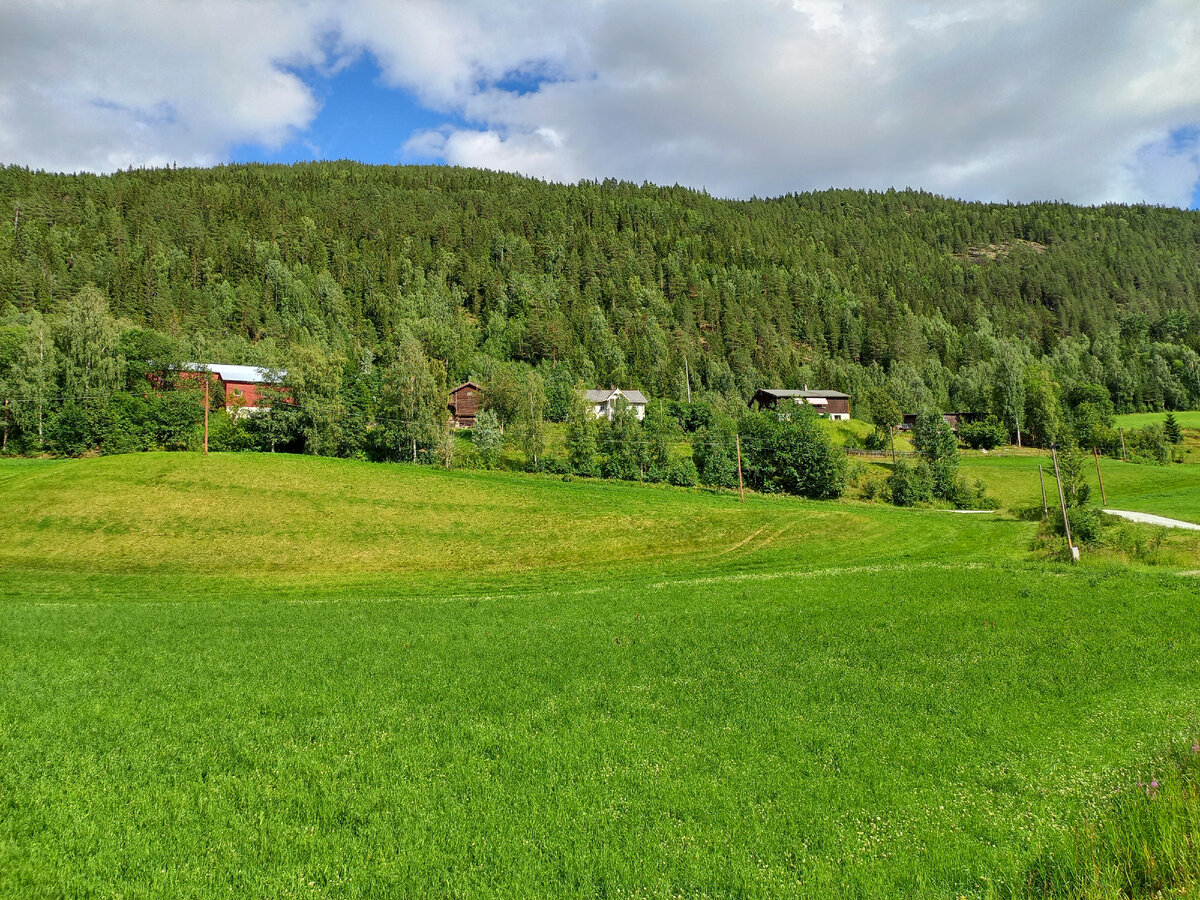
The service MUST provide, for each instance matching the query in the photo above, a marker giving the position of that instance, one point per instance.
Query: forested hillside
(353, 278)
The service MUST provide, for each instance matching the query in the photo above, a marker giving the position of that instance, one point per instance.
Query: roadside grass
(1140, 842)
(288, 676)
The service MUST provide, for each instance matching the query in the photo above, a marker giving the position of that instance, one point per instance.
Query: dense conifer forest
(377, 288)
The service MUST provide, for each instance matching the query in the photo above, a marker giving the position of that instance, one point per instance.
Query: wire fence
(881, 454)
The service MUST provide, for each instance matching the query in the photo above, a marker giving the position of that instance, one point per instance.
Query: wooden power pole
(741, 487)
(207, 383)
(1062, 502)
(1045, 506)
(1099, 477)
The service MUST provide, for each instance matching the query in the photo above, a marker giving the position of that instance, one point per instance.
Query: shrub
(713, 455)
(78, 427)
(682, 473)
(909, 484)
(1076, 491)
(876, 441)
(1085, 524)
(1139, 541)
(552, 465)
(227, 434)
(487, 438)
(984, 434)
(1148, 445)
(972, 496)
(873, 487)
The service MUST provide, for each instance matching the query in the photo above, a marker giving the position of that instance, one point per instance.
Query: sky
(1088, 101)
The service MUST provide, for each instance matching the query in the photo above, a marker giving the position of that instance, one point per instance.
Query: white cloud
(103, 85)
(1029, 99)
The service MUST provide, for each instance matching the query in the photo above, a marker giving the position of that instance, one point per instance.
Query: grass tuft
(1144, 842)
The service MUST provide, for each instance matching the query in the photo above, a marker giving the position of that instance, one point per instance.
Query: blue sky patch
(361, 118)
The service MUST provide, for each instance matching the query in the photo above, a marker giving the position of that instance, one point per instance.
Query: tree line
(379, 288)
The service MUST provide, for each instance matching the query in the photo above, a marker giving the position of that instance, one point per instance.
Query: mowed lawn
(775, 699)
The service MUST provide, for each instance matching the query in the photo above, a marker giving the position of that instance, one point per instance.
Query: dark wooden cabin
(831, 404)
(464, 404)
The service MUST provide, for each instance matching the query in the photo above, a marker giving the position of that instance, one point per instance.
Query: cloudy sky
(1083, 100)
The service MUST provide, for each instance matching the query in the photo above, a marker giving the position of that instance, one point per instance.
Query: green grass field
(1186, 419)
(285, 676)
(1172, 490)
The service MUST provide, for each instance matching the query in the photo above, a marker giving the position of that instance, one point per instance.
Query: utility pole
(1045, 506)
(741, 487)
(1121, 431)
(687, 377)
(207, 382)
(1062, 502)
(533, 437)
(1099, 477)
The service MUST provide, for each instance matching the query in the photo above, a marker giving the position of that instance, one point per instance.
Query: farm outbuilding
(464, 404)
(830, 404)
(245, 387)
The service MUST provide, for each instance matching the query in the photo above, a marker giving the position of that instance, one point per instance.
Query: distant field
(1172, 490)
(288, 676)
(1188, 419)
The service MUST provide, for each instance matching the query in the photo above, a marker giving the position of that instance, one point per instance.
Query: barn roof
(244, 374)
(599, 396)
(466, 384)
(781, 393)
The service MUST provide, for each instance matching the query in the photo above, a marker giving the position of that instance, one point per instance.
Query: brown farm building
(832, 404)
(464, 404)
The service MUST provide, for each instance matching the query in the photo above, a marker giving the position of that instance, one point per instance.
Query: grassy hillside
(247, 513)
(276, 676)
(1186, 419)
(1163, 490)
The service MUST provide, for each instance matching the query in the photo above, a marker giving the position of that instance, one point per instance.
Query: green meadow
(286, 676)
(1186, 419)
(1172, 490)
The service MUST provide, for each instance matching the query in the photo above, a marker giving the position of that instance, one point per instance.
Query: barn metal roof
(244, 374)
(600, 396)
(781, 392)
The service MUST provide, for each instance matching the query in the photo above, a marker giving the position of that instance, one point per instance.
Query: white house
(604, 402)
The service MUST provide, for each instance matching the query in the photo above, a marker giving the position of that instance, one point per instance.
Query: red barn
(246, 387)
(464, 404)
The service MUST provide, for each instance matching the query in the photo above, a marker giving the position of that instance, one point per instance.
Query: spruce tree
(1171, 430)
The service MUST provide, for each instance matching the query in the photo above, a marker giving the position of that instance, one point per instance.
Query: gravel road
(1153, 520)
